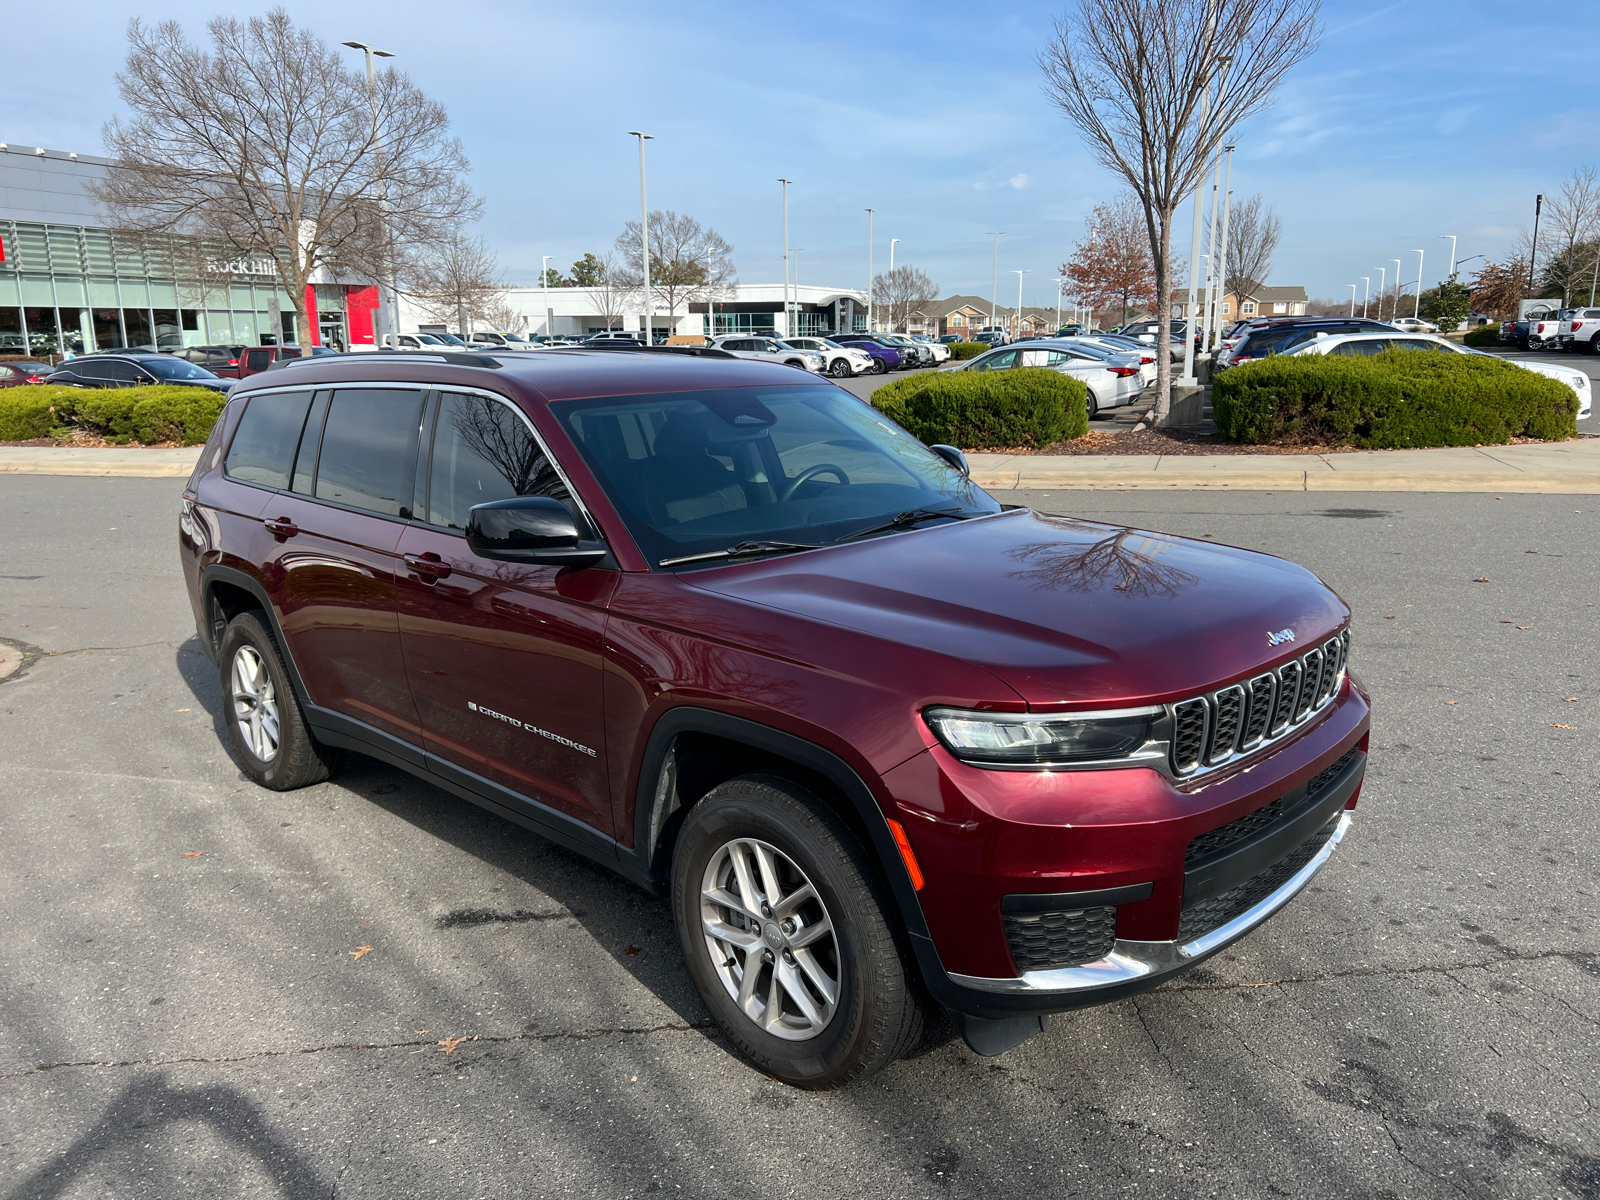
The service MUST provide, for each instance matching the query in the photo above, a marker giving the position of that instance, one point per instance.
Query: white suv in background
(941, 352)
(839, 361)
(1356, 345)
(767, 349)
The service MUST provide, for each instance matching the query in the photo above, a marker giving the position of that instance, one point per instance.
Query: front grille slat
(1245, 828)
(1207, 731)
(1214, 912)
(1227, 715)
(1049, 940)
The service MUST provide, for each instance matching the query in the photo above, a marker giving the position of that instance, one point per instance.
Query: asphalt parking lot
(188, 1004)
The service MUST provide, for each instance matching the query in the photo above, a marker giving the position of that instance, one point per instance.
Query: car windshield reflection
(692, 473)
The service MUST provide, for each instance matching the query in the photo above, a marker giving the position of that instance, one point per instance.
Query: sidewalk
(1564, 467)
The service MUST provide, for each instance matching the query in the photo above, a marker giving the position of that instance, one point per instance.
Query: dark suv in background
(885, 743)
(133, 370)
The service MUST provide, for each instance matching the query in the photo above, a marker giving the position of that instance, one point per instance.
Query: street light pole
(889, 279)
(1058, 280)
(1211, 259)
(1382, 275)
(1020, 274)
(1416, 310)
(1222, 251)
(1366, 295)
(1164, 303)
(796, 253)
(1452, 238)
(544, 282)
(1533, 246)
(870, 211)
(994, 286)
(644, 238)
(1352, 299)
(1398, 288)
(391, 317)
(786, 183)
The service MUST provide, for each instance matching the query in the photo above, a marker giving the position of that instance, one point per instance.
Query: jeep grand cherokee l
(885, 743)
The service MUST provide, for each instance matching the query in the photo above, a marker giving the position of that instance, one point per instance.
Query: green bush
(1483, 335)
(980, 410)
(160, 413)
(1398, 398)
(961, 351)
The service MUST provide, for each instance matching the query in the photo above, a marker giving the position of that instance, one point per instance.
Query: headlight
(1033, 740)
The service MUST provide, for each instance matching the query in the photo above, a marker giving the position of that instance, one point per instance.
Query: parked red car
(237, 362)
(884, 742)
(23, 372)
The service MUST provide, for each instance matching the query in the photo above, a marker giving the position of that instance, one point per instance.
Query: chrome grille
(1209, 730)
(1227, 716)
(1188, 734)
(1255, 725)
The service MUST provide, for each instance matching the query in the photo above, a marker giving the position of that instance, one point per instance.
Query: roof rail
(619, 344)
(445, 356)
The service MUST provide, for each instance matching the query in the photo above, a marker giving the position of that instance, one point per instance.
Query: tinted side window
(263, 447)
(482, 451)
(259, 360)
(368, 457)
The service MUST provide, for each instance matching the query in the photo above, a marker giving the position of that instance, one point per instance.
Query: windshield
(174, 368)
(697, 472)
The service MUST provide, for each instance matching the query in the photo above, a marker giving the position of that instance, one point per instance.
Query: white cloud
(1019, 180)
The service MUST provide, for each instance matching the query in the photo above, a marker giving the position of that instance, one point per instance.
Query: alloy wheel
(770, 939)
(255, 703)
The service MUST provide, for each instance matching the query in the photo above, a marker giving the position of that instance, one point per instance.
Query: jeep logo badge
(1279, 638)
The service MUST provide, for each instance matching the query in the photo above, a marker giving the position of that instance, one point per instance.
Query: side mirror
(529, 529)
(952, 456)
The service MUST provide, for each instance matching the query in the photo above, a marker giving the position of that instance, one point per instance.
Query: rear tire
(1093, 406)
(265, 725)
(767, 879)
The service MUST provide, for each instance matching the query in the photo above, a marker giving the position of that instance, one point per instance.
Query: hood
(1062, 610)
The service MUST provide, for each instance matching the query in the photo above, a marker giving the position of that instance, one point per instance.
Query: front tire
(265, 725)
(785, 930)
(839, 368)
(880, 367)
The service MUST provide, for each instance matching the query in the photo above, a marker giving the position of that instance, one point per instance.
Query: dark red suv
(886, 743)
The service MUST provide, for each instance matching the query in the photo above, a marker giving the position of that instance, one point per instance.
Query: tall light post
(544, 282)
(1020, 274)
(644, 238)
(1399, 287)
(1416, 310)
(786, 183)
(1533, 246)
(889, 280)
(392, 316)
(796, 252)
(1058, 281)
(1165, 303)
(1366, 294)
(870, 211)
(1211, 260)
(1352, 299)
(1452, 238)
(1382, 275)
(994, 286)
(1221, 271)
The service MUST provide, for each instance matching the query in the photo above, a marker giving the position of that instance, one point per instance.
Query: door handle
(428, 565)
(281, 527)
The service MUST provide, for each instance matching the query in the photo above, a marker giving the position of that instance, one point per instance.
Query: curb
(1577, 484)
(99, 470)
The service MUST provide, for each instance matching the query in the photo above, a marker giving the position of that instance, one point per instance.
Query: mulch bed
(1181, 441)
(90, 441)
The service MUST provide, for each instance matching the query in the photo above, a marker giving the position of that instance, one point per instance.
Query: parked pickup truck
(1580, 330)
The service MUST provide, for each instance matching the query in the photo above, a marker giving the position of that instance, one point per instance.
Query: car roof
(567, 373)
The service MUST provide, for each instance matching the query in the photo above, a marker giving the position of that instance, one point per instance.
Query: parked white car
(1118, 344)
(941, 352)
(766, 349)
(421, 341)
(500, 340)
(839, 361)
(1111, 381)
(1362, 344)
(1414, 325)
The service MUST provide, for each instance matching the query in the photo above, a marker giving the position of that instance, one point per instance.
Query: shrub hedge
(161, 413)
(981, 410)
(961, 351)
(1483, 335)
(1398, 398)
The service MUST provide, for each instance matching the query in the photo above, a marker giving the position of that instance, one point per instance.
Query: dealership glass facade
(75, 289)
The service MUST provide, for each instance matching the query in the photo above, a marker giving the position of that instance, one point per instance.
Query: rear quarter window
(262, 450)
(369, 450)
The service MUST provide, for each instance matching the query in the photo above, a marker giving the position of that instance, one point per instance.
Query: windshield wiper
(741, 550)
(908, 518)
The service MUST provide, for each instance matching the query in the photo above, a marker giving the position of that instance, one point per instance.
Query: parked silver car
(766, 349)
(1112, 381)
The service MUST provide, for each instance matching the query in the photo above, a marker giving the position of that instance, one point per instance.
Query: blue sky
(1413, 120)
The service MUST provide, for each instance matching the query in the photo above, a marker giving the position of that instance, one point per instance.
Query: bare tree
(266, 144)
(1130, 74)
(1253, 233)
(503, 316)
(901, 292)
(1112, 268)
(459, 278)
(609, 286)
(1571, 217)
(689, 264)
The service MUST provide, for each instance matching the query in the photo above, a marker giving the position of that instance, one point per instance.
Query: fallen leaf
(193, 853)
(1571, 700)
(359, 952)
(1524, 626)
(366, 927)
(1390, 617)
(1504, 622)
(1452, 702)
(451, 1043)
(419, 1032)
(235, 791)
(633, 949)
(185, 710)
(1481, 579)
(1563, 726)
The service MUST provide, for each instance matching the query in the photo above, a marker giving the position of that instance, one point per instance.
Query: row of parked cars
(1574, 329)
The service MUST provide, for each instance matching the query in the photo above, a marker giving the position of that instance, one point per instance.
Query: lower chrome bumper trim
(1130, 961)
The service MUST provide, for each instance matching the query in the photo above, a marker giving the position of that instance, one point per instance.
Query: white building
(750, 308)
